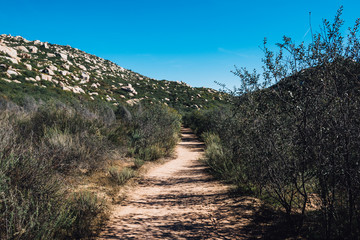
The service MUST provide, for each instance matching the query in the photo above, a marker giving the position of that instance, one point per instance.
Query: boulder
(85, 76)
(130, 89)
(82, 67)
(25, 55)
(76, 89)
(64, 73)
(9, 51)
(67, 67)
(22, 49)
(46, 77)
(30, 79)
(3, 67)
(45, 45)
(109, 99)
(66, 88)
(12, 72)
(13, 60)
(18, 38)
(28, 66)
(63, 56)
(51, 55)
(53, 68)
(132, 102)
(33, 49)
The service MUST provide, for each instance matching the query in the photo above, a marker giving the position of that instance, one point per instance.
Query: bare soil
(180, 200)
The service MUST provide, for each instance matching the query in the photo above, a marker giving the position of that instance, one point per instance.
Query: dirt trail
(179, 200)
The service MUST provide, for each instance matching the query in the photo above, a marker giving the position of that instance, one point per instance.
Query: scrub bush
(295, 132)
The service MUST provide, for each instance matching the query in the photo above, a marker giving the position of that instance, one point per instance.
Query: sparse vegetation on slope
(45, 70)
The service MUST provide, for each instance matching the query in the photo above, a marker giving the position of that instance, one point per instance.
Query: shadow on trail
(183, 211)
(228, 221)
(192, 142)
(196, 147)
(221, 224)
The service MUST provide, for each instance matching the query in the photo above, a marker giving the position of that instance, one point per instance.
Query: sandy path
(179, 200)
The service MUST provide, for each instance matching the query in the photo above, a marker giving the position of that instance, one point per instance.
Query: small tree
(300, 125)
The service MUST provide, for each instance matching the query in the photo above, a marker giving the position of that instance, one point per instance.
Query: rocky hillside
(41, 69)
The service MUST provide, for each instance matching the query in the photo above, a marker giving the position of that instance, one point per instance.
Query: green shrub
(220, 161)
(138, 162)
(152, 130)
(88, 211)
(121, 177)
(36, 148)
(67, 150)
(151, 153)
(31, 198)
(28, 73)
(64, 137)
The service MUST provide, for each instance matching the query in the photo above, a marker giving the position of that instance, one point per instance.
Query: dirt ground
(180, 200)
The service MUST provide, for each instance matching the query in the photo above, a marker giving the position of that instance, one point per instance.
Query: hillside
(45, 70)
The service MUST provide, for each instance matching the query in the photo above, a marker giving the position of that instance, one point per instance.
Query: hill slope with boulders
(45, 70)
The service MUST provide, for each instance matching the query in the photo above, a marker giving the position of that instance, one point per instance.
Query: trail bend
(180, 200)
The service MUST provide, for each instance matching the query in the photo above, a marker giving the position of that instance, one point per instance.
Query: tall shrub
(295, 130)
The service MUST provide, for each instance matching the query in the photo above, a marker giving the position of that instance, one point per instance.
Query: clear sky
(195, 41)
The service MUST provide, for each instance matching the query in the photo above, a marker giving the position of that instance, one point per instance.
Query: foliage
(138, 163)
(42, 145)
(88, 211)
(121, 177)
(31, 205)
(149, 139)
(294, 133)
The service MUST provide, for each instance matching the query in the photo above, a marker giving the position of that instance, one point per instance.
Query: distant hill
(43, 70)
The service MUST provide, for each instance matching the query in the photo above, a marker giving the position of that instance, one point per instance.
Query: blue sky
(196, 41)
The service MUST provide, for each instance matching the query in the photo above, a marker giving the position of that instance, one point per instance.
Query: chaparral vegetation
(292, 135)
